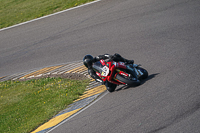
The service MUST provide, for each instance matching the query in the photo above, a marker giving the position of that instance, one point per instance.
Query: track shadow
(142, 82)
(149, 78)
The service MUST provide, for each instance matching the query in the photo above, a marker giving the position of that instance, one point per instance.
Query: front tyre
(110, 86)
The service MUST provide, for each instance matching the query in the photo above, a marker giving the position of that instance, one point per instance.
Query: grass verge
(24, 105)
(16, 11)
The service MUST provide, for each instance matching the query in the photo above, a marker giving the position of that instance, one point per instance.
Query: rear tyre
(145, 73)
(128, 81)
(110, 86)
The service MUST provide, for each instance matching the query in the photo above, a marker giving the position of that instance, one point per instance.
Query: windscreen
(98, 67)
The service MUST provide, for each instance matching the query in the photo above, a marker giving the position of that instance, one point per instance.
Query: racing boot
(128, 61)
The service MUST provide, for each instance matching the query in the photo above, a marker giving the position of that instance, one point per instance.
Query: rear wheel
(127, 80)
(145, 73)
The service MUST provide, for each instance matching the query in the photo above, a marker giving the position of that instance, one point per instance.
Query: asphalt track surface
(162, 35)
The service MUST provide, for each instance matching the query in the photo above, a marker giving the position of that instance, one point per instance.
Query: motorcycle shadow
(142, 82)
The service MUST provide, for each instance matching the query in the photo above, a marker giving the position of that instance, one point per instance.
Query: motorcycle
(119, 73)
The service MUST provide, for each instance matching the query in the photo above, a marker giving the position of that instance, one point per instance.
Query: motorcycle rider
(88, 60)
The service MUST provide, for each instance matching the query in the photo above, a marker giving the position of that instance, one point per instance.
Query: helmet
(87, 60)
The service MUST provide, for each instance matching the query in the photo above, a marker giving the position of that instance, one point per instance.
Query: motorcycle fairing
(108, 71)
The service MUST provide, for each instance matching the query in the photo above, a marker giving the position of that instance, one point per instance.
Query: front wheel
(110, 86)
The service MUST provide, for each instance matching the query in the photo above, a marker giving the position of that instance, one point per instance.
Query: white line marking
(49, 15)
(78, 112)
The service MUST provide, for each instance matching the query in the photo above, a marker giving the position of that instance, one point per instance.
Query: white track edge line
(78, 112)
(49, 15)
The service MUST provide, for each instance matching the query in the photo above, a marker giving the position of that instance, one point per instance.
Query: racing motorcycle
(119, 73)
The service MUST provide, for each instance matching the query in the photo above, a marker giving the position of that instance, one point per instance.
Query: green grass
(16, 11)
(24, 105)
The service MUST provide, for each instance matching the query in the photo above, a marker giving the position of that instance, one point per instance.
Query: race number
(105, 71)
